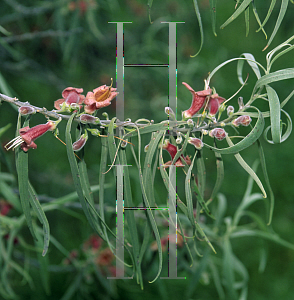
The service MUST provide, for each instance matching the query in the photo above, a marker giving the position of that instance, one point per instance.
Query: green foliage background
(78, 49)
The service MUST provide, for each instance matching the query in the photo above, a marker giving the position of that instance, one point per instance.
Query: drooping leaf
(238, 11)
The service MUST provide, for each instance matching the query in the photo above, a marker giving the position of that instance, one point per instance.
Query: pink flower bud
(218, 133)
(196, 142)
(26, 110)
(243, 120)
(230, 110)
(80, 143)
(85, 118)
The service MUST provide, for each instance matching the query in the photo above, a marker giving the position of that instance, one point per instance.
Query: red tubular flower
(218, 133)
(243, 120)
(100, 97)
(172, 150)
(28, 135)
(214, 103)
(70, 95)
(198, 99)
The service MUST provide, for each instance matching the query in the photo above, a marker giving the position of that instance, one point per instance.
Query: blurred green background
(56, 44)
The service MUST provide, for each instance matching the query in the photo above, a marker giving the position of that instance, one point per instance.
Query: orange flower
(70, 95)
(100, 97)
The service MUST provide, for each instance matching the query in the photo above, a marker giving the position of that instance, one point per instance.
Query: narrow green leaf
(165, 179)
(275, 114)
(228, 269)
(219, 175)
(165, 125)
(197, 11)
(252, 63)
(130, 218)
(44, 264)
(149, 210)
(247, 20)
(266, 235)
(41, 216)
(247, 141)
(269, 12)
(258, 20)
(76, 174)
(266, 178)
(212, 4)
(23, 184)
(287, 132)
(238, 11)
(248, 169)
(273, 77)
(190, 204)
(201, 172)
(281, 15)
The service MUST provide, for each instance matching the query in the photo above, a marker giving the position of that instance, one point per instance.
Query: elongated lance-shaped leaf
(266, 178)
(149, 211)
(251, 61)
(87, 189)
(275, 114)
(228, 268)
(201, 173)
(219, 176)
(258, 19)
(102, 170)
(80, 187)
(286, 134)
(164, 125)
(281, 15)
(165, 179)
(76, 175)
(247, 141)
(200, 199)
(270, 10)
(189, 194)
(147, 175)
(238, 11)
(23, 185)
(130, 218)
(246, 167)
(180, 203)
(247, 20)
(273, 77)
(41, 216)
(43, 262)
(197, 11)
(212, 4)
